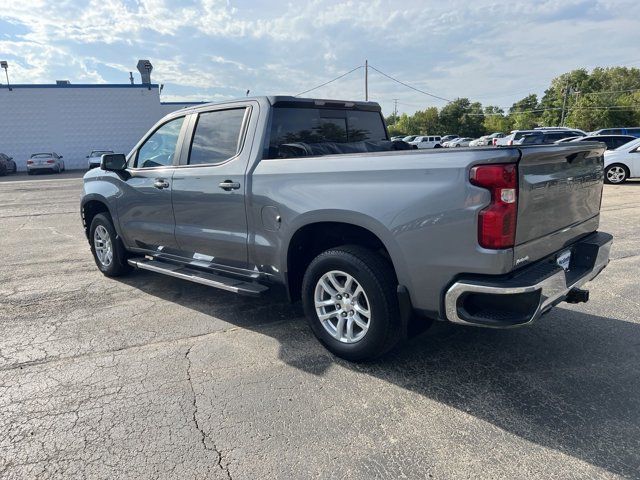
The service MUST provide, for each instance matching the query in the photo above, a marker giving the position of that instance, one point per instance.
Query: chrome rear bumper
(524, 296)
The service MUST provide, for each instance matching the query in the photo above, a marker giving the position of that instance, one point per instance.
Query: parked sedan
(50, 161)
(622, 163)
(7, 165)
(448, 138)
(460, 142)
(95, 157)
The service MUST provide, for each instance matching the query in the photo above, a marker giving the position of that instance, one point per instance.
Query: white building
(72, 120)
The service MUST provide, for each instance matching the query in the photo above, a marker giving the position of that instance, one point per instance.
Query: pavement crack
(207, 443)
(43, 361)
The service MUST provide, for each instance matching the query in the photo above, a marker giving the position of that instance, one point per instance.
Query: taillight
(29, 162)
(510, 142)
(497, 222)
(51, 161)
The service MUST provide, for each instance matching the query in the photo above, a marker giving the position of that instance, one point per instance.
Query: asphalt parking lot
(152, 377)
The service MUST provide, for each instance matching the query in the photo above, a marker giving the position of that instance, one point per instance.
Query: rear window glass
(318, 126)
(41, 155)
(633, 131)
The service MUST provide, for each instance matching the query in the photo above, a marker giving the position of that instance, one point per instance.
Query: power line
(409, 86)
(330, 81)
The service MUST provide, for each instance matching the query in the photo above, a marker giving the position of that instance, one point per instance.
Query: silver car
(51, 162)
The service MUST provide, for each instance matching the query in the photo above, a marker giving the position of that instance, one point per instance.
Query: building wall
(72, 120)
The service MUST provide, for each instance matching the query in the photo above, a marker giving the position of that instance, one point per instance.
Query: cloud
(211, 49)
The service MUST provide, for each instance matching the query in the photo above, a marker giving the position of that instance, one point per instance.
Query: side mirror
(60, 156)
(87, 156)
(114, 162)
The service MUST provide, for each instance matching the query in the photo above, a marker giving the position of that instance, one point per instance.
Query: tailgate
(560, 188)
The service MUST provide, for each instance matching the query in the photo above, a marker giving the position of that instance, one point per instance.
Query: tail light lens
(51, 161)
(29, 162)
(497, 222)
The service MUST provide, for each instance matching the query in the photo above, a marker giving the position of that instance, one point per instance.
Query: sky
(212, 50)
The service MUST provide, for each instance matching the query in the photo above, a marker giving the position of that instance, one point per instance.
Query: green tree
(495, 120)
(462, 118)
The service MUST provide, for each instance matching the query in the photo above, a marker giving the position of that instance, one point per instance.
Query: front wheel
(350, 301)
(107, 248)
(616, 174)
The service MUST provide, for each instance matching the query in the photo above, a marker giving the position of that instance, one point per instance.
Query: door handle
(229, 185)
(161, 183)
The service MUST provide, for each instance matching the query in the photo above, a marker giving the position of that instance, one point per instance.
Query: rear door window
(317, 126)
(217, 136)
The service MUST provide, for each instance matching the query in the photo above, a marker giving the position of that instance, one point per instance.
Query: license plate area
(564, 260)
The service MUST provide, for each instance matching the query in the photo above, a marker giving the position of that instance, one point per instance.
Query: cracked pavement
(152, 377)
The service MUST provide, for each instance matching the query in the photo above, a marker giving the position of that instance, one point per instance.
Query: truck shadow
(571, 382)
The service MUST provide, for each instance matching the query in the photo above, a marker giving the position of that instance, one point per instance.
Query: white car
(460, 142)
(479, 142)
(622, 163)
(427, 141)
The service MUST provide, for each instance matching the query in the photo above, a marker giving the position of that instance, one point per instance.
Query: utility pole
(395, 108)
(366, 80)
(564, 103)
(5, 65)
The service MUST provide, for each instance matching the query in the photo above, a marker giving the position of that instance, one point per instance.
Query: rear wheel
(616, 173)
(107, 248)
(349, 297)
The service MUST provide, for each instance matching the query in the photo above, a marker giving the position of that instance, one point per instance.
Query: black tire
(617, 166)
(3, 170)
(118, 265)
(376, 276)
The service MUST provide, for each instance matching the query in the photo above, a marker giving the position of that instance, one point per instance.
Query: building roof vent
(145, 68)
(63, 82)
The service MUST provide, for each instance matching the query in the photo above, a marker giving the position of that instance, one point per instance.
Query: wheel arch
(317, 232)
(92, 205)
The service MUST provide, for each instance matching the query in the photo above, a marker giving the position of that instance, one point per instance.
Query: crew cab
(310, 195)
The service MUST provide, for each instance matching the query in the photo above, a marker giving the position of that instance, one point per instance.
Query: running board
(210, 279)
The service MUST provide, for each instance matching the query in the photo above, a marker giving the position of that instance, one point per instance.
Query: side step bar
(210, 279)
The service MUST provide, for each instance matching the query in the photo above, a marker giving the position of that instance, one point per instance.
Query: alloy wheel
(103, 246)
(342, 306)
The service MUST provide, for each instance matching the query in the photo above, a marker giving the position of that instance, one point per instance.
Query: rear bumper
(48, 166)
(523, 296)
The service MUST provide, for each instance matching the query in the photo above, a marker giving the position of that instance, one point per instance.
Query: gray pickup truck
(311, 195)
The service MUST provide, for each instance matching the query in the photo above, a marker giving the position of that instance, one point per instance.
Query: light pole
(5, 65)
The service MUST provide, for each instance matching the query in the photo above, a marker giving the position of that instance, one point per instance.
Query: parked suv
(634, 131)
(538, 136)
(311, 195)
(427, 142)
(7, 165)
